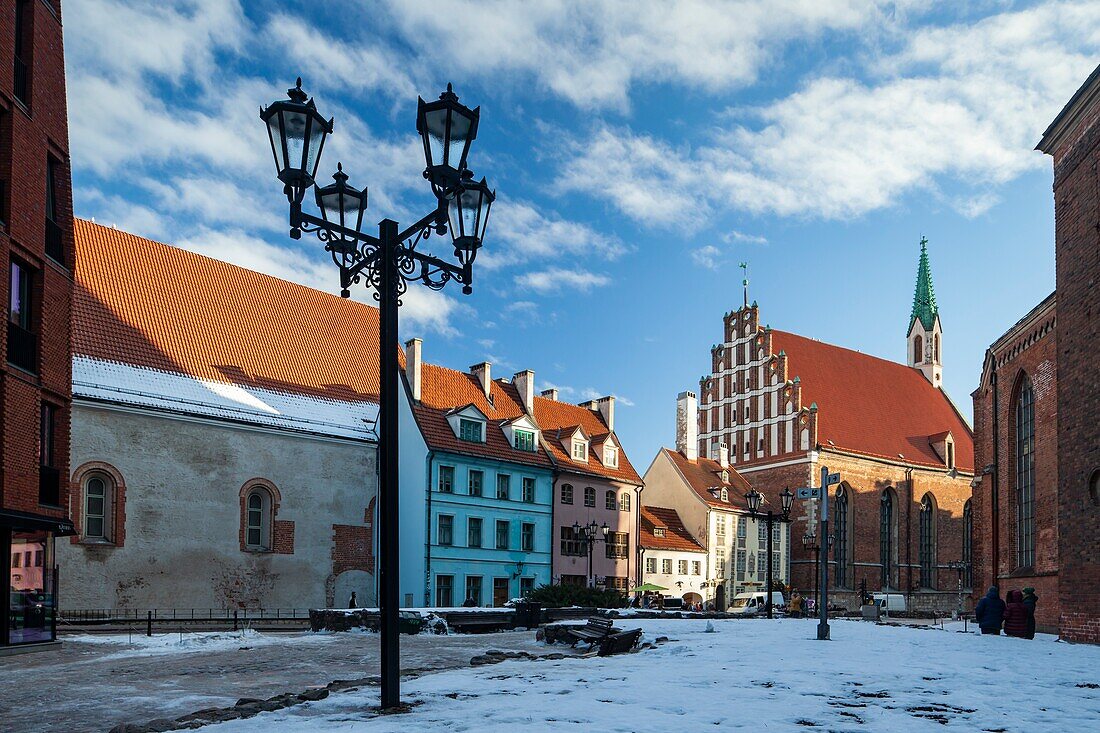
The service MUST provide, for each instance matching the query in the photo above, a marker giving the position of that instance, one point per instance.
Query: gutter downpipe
(995, 504)
(909, 542)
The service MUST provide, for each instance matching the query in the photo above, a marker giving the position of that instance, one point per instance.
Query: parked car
(889, 602)
(752, 603)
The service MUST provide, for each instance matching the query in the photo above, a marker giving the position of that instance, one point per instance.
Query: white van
(752, 603)
(889, 602)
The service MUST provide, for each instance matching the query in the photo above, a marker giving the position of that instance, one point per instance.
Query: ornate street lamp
(387, 262)
(809, 541)
(590, 534)
(753, 499)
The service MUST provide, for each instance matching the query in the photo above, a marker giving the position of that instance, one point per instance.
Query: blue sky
(640, 151)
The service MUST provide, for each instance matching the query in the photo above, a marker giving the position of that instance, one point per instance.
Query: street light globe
(297, 132)
(753, 498)
(446, 128)
(787, 500)
(340, 203)
(468, 214)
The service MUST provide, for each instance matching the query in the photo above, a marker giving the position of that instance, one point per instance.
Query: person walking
(796, 605)
(1015, 615)
(990, 612)
(1030, 601)
(351, 602)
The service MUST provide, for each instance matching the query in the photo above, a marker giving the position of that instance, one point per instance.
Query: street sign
(833, 478)
(809, 493)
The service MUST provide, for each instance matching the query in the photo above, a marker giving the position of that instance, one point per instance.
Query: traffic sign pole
(823, 611)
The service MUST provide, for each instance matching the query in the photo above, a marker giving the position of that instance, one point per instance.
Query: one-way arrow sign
(809, 493)
(833, 478)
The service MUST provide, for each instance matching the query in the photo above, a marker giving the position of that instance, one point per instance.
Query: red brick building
(36, 247)
(785, 405)
(1073, 140)
(1015, 503)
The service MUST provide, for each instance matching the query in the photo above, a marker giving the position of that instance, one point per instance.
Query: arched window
(936, 347)
(968, 544)
(918, 349)
(258, 518)
(1025, 475)
(624, 501)
(609, 501)
(886, 537)
(97, 508)
(927, 542)
(1094, 488)
(840, 544)
(589, 496)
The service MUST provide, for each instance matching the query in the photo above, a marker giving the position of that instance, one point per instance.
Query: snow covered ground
(751, 675)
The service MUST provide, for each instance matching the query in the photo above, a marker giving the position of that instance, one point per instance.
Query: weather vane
(745, 283)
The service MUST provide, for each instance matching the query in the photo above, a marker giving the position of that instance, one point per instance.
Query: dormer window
(950, 455)
(611, 456)
(580, 450)
(471, 430)
(658, 531)
(725, 480)
(724, 495)
(525, 440)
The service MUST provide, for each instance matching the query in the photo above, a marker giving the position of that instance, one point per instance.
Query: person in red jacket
(1016, 615)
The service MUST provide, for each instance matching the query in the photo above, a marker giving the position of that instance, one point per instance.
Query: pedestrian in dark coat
(990, 611)
(1015, 615)
(1030, 601)
(351, 601)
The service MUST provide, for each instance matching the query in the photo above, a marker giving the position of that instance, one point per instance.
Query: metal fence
(240, 615)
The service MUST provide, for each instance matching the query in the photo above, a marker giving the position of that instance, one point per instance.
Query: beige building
(671, 557)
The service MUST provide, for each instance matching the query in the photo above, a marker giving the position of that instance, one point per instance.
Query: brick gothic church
(785, 405)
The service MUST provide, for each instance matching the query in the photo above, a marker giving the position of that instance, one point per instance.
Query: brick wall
(1077, 247)
(352, 548)
(29, 135)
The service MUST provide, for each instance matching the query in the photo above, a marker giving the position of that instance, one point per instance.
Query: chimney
(524, 382)
(483, 372)
(589, 405)
(606, 406)
(550, 394)
(687, 425)
(723, 455)
(413, 365)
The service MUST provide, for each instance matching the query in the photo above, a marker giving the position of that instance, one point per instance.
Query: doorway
(500, 592)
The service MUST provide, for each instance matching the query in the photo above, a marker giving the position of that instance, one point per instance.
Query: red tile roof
(703, 474)
(553, 416)
(442, 390)
(873, 406)
(676, 535)
(152, 305)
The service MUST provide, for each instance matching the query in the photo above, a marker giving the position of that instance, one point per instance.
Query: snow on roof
(108, 381)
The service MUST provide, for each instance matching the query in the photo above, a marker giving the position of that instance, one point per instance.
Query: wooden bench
(594, 630)
(618, 643)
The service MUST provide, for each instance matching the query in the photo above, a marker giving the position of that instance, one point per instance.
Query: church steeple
(923, 340)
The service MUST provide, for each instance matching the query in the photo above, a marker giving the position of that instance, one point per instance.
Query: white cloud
(707, 256)
(518, 232)
(556, 278)
(589, 393)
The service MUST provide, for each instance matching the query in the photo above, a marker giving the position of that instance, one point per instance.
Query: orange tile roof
(873, 406)
(676, 535)
(152, 305)
(703, 474)
(442, 390)
(554, 416)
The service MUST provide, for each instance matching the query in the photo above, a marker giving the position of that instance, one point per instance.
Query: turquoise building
(476, 487)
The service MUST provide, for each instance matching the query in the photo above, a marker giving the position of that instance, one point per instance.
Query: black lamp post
(809, 541)
(386, 262)
(754, 499)
(590, 534)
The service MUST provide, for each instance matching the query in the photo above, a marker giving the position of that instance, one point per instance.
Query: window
(526, 586)
(950, 455)
(22, 342)
(258, 520)
(475, 480)
(658, 531)
(840, 544)
(446, 479)
(527, 537)
(22, 53)
(473, 532)
(761, 533)
(580, 450)
(96, 499)
(611, 456)
(444, 593)
(504, 486)
(696, 567)
(445, 533)
(1025, 475)
(469, 430)
(473, 589)
(886, 538)
(609, 501)
(566, 494)
(624, 501)
(571, 545)
(529, 489)
(616, 545)
(589, 496)
(503, 529)
(720, 528)
(741, 525)
(525, 440)
(927, 542)
(683, 567)
(968, 544)
(666, 566)
(49, 478)
(724, 495)
(651, 565)
(936, 347)
(54, 248)
(918, 349)
(741, 558)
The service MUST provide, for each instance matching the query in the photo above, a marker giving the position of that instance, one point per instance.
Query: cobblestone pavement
(91, 687)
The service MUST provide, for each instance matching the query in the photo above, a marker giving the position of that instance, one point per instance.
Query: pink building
(593, 482)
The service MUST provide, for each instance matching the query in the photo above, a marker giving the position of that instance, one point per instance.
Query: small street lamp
(590, 534)
(754, 498)
(961, 567)
(387, 262)
(809, 542)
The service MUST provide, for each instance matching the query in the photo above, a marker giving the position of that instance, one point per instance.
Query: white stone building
(670, 556)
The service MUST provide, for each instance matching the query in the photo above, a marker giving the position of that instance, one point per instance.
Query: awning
(648, 587)
(24, 520)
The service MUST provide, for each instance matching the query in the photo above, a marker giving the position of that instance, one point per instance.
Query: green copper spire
(924, 299)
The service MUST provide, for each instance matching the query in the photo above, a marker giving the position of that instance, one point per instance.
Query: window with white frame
(589, 496)
(580, 450)
(525, 440)
(651, 565)
(741, 524)
(658, 531)
(741, 556)
(696, 567)
(445, 532)
(666, 566)
(624, 501)
(720, 527)
(470, 430)
(724, 495)
(258, 520)
(683, 567)
(446, 479)
(611, 456)
(97, 508)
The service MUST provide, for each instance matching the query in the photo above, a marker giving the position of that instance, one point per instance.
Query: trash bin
(528, 615)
